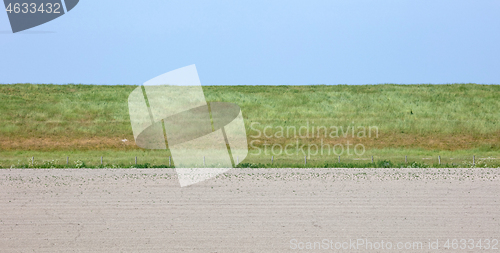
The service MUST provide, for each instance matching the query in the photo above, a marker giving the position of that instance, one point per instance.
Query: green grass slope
(418, 120)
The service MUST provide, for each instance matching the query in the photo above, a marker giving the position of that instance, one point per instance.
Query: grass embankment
(422, 122)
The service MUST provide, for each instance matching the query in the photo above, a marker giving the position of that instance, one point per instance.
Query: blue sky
(260, 42)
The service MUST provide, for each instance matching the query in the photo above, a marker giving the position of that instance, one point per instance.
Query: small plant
(251, 165)
(141, 166)
(48, 165)
(79, 164)
(384, 164)
(478, 164)
(418, 165)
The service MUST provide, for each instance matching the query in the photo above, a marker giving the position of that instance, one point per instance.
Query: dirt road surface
(250, 210)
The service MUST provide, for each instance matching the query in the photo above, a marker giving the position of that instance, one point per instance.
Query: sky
(260, 42)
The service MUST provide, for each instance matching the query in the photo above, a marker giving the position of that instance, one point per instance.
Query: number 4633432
(470, 244)
(25, 8)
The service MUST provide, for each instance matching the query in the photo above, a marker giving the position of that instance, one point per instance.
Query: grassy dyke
(98, 110)
(421, 121)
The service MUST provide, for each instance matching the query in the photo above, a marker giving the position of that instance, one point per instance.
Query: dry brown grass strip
(394, 140)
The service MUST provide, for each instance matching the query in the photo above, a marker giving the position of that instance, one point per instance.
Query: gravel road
(250, 210)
